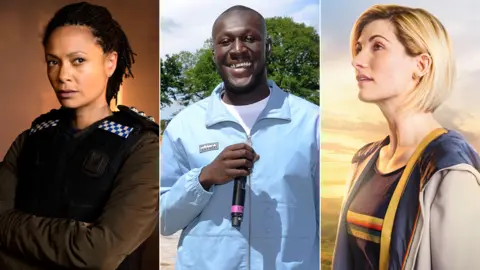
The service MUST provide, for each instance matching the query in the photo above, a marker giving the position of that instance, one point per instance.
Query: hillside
(329, 220)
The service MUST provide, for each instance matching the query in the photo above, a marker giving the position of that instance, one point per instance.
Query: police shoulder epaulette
(135, 113)
(127, 120)
(366, 151)
(116, 128)
(147, 122)
(46, 120)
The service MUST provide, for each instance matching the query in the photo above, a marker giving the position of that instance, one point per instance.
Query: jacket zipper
(249, 181)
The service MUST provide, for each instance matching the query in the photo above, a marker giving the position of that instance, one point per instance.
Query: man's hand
(234, 161)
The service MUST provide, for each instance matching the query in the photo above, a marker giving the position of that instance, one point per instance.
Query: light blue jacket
(280, 229)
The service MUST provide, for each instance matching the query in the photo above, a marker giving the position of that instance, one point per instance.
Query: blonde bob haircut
(420, 33)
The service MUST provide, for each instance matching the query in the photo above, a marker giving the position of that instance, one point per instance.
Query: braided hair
(108, 32)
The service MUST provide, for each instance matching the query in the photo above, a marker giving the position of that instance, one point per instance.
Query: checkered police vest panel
(44, 125)
(115, 128)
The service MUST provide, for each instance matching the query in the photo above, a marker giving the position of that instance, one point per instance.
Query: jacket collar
(277, 106)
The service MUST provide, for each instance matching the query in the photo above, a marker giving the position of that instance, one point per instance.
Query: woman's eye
(78, 60)
(377, 46)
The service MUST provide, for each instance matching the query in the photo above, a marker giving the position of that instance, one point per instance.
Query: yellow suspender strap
(388, 221)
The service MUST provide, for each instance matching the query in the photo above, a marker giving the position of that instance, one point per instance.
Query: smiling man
(247, 127)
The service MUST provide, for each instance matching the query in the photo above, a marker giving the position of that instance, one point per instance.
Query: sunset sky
(348, 124)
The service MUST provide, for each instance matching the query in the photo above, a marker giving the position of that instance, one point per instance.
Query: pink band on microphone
(237, 209)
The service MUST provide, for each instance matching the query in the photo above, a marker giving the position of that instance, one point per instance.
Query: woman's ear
(111, 63)
(423, 65)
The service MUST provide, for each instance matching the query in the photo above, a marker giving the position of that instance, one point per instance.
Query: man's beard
(245, 89)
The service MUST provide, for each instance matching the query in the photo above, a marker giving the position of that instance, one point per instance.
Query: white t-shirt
(247, 114)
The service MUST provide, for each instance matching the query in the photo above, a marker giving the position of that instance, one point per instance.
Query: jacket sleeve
(454, 219)
(8, 183)
(316, 172)
(128, 218)
(182, 198)
(8, 178)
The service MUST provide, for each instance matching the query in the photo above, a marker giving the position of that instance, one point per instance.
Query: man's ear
(268, 47)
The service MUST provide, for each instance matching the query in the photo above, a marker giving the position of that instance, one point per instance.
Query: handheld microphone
(238, 200)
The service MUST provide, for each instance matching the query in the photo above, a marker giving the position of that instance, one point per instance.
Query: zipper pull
(249, 140)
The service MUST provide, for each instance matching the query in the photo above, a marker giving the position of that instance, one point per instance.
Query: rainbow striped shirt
(365, 217)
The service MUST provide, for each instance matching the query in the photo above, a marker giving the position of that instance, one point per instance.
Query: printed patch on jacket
(115, 128)
(208, 147)
(44, 125)
(95, 163)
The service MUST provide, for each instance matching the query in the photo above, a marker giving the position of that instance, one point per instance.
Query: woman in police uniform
(406, 199)
(80, 187)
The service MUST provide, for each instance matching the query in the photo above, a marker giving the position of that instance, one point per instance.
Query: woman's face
(77, 67)
(383, 69)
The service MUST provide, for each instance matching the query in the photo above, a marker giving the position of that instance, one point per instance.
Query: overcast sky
(186, 24)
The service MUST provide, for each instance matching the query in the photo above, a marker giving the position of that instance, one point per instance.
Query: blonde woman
(413, 199)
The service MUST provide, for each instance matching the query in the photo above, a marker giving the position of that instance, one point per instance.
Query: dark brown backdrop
(25, 92)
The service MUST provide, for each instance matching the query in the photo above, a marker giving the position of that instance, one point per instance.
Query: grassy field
(329, 220)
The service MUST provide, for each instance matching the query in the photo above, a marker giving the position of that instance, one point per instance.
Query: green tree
(170, 79)
(201, 79)
(293, 65)
(173, 76)
(163, 125)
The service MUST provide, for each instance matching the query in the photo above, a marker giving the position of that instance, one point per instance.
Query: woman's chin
(374, 97)
(69, 104)
(366, 98)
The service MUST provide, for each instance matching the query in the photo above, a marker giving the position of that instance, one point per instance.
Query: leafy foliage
(294, 65)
